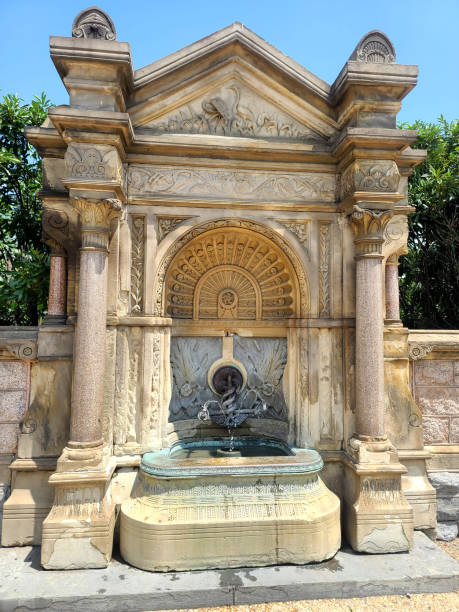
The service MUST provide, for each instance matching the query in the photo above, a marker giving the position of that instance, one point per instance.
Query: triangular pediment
(233, 109)
(232, 83)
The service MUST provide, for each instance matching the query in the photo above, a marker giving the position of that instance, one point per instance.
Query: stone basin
(194, 509)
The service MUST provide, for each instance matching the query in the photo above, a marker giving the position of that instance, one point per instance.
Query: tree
(429, 273)
(24, 261)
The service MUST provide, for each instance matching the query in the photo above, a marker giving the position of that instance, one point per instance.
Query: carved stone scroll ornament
(374, 48)
(93, 23)
(419, 351)
(229, 184)
(137, 264)
(258, 231)
(381, 176)
(21, 350)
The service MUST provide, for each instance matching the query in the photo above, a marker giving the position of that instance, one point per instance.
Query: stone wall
(13, 397)
(436, 390)
(435, 384)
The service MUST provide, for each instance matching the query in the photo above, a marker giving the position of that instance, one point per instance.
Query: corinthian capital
(368, 227)
(96, 216)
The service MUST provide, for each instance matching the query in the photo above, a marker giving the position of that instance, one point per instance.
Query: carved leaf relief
(231, 184)
(233, 110)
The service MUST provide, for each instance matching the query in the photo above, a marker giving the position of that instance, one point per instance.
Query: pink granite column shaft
(368, 227)
(89, 348)
(369, 372)
(57, 285)
(392, 291)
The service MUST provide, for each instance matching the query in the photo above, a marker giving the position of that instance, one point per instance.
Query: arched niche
(231, 270)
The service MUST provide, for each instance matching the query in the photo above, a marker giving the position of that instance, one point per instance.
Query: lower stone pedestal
(378, 518)
(29, 503)
(78, 532)
(417, 489)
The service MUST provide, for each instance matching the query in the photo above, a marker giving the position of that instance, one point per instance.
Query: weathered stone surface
(447, 487)
(13, 375)
(435, 430)
(454, 431)
(441, 401)
(447, 531)
(8, 438)
(434, 372)
(12, 405)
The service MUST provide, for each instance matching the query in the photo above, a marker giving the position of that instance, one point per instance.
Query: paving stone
(25, 586)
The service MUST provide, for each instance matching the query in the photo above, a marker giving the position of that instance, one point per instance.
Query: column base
(50, 319)
(377, 518)
(78, 532)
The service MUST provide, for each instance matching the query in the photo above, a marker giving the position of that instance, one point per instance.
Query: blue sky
(318, 34)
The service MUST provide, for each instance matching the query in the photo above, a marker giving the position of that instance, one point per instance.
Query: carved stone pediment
(237, 110)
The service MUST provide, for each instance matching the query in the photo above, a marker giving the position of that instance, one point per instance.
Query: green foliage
(24, 262)
(429, 273)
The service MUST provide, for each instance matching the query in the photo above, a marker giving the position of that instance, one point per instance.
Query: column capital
(96, 217)
(392, 259)
(368, 226)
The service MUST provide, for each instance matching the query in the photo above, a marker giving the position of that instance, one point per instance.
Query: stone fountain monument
(224, 230)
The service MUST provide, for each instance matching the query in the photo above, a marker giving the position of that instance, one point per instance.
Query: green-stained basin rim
(162, 464)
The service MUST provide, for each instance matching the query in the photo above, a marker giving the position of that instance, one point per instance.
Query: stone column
(392, 290)
(57, 297)
(368, 226)
(89, 348)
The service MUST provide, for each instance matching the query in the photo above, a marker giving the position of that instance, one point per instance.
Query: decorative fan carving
(231, 274)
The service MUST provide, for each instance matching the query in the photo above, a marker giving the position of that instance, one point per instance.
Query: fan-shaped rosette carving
(231, 274)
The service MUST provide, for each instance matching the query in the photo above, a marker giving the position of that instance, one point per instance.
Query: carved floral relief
(230, 184)
(234, 110)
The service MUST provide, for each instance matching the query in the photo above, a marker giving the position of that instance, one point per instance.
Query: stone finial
(374, 48)
(93, 22)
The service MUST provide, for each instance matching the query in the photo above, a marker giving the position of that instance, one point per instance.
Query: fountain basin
(194, 509)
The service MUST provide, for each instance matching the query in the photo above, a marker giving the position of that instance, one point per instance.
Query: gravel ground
(429, 602)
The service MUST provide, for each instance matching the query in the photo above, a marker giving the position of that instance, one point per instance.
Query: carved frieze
(324, 269)
(137, 263)
(370, 175)
(166, 225)
(93, 23)
(257, 231)
(234, 110)
(220, 184)
(92, 162)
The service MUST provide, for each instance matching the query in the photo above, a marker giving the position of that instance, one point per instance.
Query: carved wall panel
(231, 274)
(166, 225)
(190, 362)
(137, 264)
(300, 229)
(161, 181)
(233, 110)
(324, 269)
(265, 360)
(370, 175)
(128, 391)
(93, 162)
